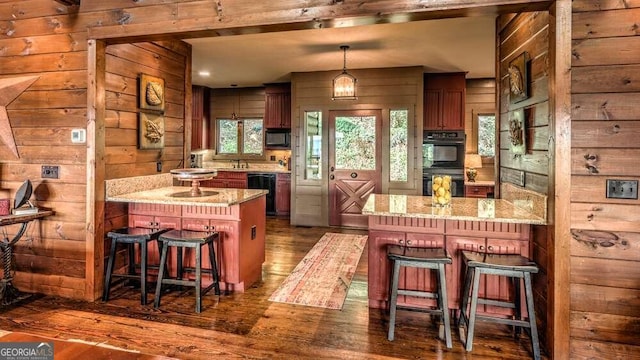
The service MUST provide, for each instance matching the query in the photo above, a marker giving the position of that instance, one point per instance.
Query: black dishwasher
(266, 181)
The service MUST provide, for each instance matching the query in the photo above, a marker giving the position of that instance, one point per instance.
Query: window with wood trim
(239, 136)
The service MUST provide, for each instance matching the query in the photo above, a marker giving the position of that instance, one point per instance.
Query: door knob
(354, 175)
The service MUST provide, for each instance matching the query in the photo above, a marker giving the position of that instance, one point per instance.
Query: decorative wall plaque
(517, 132)
(518, 78)
(151, 92)
(151, 131)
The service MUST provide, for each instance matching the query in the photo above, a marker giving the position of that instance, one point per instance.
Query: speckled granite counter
(159, 189)
(165, 195)
(461, 209)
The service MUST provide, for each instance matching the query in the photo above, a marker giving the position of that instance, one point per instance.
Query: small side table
(479, 189)
(8, 292)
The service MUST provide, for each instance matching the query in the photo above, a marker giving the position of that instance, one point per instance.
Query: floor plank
(251, 327)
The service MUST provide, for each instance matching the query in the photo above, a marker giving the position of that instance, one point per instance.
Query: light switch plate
(50, 172)
(622, 189)
(78, 136)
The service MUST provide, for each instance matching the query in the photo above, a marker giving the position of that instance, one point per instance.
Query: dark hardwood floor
(249, 326)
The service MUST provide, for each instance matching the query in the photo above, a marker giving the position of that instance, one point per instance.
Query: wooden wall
(605, 127)
(528, 32)
(480, 99)
(385, 89)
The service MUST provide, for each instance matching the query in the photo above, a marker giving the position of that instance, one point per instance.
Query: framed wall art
(518, 78)
(150, 131)
(517, 132)
(151, 93)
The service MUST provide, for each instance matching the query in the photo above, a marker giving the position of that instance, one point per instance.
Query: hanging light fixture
(344, 85)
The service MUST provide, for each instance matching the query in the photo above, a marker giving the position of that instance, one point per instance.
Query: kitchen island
(238, 215)
(484, 225)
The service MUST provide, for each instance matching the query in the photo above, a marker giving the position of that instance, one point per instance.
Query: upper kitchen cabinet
(444, 96)
(277, 111)
(200, 117)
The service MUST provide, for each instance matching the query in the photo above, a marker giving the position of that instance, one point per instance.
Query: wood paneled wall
(385, 89)
(605, 127)
(480, 99)
(519, 33)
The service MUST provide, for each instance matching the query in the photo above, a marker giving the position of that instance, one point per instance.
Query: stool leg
(163, 263)
(180, 266)
(395, 276)
(462, 320)
(444, 306)
(532, 316)
(107, 275)
(474, 308)
(198, 279)
(132, 259)
(143, 272)
(517, 302)
(214, 269)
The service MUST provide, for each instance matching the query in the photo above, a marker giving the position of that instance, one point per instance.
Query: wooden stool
(426, 258)
(130, 236)
(517, 268)
(194, 240)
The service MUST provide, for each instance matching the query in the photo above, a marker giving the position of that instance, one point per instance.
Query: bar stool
(513, 266)
(194, 240)
(130, 236)
(426, 258)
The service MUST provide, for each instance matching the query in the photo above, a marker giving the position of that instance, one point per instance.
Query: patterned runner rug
(323, 277)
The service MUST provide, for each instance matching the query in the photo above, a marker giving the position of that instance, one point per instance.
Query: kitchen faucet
(237, 163)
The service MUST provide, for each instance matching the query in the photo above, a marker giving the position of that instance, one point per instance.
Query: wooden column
(560, 177)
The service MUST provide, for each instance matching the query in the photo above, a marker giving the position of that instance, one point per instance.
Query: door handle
(331, 177)
(354, 175)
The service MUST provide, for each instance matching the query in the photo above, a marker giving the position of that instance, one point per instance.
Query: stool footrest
(504, 304)
(416, 293)
(505, 321)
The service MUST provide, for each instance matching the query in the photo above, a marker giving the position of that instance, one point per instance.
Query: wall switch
(159, 166)
(50, 172)
(253, 232)
(622, 189)
(272, 158)
(78, 136)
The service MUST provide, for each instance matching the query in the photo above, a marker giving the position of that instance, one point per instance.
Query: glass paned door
(354, 164)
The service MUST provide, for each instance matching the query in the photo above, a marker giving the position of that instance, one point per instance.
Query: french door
(354, 164)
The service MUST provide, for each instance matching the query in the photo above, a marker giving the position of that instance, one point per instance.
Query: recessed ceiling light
(204, 73)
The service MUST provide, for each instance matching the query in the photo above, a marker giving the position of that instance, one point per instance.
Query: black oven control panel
(444, 135)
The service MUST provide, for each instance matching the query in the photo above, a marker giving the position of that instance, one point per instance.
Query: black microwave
(277, 139)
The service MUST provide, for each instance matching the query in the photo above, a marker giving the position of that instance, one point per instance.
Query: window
(487, 135)
(240, 136)
(313, 131)
(398, 144)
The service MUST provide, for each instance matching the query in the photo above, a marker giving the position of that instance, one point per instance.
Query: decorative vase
(441, 190)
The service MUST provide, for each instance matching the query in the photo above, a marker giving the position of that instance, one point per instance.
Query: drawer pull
(400, 241)
(482, 247)
(490, 248)
(408, 242)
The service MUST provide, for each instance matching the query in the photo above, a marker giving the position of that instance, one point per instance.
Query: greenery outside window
(313, 141)
(487, 135)
(398, 144)
(240, 136)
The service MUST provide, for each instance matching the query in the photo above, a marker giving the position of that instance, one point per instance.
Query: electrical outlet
(253, 232)
(272, 158)
(622, 189)
(50, 172)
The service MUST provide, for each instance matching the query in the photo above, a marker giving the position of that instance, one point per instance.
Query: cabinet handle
(490, 248)
(408, 242)
(400, 241)
(206, 227)
(482, 247)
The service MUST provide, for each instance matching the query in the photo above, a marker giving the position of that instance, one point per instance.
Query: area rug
(323, 277)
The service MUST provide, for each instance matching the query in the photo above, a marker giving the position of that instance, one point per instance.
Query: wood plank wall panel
(480, 99)
(528, 32)
(605, 291)
(385, 89)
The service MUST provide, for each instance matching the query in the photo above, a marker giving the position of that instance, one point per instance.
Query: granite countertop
(475, 209)
(167, 195)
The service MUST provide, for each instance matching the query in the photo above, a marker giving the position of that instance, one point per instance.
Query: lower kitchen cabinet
(283, 193)
(227, 179)
(478, 191)
(455, 236)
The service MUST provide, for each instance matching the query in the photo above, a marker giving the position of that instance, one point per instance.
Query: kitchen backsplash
(276, 160)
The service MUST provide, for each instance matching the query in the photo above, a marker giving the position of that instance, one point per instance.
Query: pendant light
(344, 85)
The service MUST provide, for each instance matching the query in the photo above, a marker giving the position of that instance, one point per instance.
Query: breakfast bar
(238, 215)
(499, 226)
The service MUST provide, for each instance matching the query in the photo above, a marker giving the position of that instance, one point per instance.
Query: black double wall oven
(443, 154)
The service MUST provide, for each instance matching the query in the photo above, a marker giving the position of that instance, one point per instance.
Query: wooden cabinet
(200, 110)
(155, 217)
(277, 111)
(478, 191)
(283, 193)
(444, 101)
(453, 235)
(227, 179)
